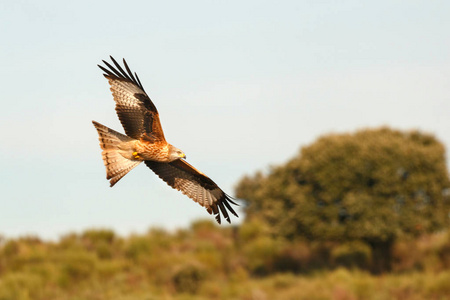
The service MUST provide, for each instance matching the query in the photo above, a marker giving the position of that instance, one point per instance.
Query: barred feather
(140, 120)
(116, 165)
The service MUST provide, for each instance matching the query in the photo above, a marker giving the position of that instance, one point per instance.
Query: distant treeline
(211, 262)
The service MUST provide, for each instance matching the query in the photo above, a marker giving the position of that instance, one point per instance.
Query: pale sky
(239, 85)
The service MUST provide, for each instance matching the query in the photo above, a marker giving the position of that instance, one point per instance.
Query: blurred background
(321, 117)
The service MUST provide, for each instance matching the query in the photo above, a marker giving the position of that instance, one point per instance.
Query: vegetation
(354, 216)
(370, 187)
(211, 262)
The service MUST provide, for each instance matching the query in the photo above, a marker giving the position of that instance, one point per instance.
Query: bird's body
(158, 151)
(141, 150)
(145, 142)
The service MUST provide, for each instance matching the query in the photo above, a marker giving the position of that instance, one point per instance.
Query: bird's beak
(183, 156)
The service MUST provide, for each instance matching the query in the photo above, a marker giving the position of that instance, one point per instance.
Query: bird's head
(176, 153)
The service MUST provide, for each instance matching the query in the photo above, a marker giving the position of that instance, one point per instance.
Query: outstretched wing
(137, 113)
(182, 176)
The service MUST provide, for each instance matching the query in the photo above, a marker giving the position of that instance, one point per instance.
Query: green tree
(373, 185)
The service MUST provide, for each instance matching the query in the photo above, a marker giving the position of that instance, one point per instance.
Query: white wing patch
(123, 93)
(196, 192)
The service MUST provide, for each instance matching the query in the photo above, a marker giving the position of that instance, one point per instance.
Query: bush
(293, 257)
(251, 230)
(20, 286)
(352, 255)
(439, 286)
(138, 246)
(261, 254)
(101, 241)
(407, 256)
(201, 225)
(93, 236)
(10, 249)
(22, 253)
(444, 255)
(188, 278)
(75, 267)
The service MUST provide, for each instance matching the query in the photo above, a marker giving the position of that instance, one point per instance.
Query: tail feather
(116, 165)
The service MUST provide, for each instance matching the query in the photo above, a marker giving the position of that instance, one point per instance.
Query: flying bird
(145, 142)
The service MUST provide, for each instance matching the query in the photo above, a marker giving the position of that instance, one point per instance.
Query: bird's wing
(182, 176)
(137, 113)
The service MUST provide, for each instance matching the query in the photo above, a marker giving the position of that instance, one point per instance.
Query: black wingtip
(223, 207)
(218, 218)
(224, 211)
(117, 71)
(130, 74)
(230, 209)
(138, 81)
(229, 198)
(106, 71)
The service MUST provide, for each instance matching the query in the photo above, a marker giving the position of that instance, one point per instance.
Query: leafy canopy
(373, 185)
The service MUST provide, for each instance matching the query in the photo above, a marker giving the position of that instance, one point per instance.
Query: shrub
(137, 246)
(406, 256)
(293, 257)
(76, 266)
(93, 236)
(251, 230)
(261, 254)
(439, 286)
(20, 286)
(10, 249)
(444, 255)
(353, 254)
(201, 225)
(188, 278)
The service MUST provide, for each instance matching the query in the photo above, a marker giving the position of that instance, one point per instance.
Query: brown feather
(136, 111)
(140, 119)
(116, 165)
(182, 176)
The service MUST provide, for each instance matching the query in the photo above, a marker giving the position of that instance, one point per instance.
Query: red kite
(145, 142)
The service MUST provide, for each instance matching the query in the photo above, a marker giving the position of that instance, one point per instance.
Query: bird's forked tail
(116, 164)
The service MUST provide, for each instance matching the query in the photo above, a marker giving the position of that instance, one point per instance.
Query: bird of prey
(145, 142)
